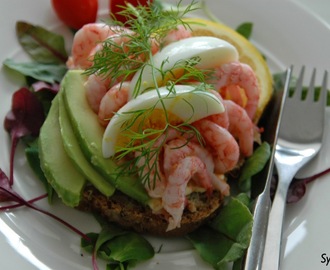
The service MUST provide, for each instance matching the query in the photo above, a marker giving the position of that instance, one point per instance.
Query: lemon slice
(248, 54)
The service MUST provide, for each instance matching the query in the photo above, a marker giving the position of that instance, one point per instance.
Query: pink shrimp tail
(174, 197)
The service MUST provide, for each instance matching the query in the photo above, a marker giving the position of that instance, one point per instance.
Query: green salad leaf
(131, 247)
(42, 45)
(220, 242)
(227, 237)
(253, 165)
(121, 248)
(50, 73)
(32, 156)
(245, 29)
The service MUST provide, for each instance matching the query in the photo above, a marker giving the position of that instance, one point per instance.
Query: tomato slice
(76, 13)
(116, 6)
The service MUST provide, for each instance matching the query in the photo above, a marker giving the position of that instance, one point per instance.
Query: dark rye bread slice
(130, 214)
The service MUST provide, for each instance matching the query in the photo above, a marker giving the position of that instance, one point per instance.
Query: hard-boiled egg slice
(211, 51)
(183, 104)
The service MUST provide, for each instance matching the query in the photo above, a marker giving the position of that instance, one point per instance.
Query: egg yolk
(174, 75)
(150, 122)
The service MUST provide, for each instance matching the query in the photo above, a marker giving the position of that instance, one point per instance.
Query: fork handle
(272, 251)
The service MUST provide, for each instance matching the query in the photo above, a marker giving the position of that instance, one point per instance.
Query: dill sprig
(129, 51)
(183, 71)
(144, 143)
(122, 57)
(189, 73)
(147, 148)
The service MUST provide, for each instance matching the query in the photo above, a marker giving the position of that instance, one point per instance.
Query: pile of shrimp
(229, 137)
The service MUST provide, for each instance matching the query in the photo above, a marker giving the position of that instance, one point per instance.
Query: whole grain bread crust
(130, 214)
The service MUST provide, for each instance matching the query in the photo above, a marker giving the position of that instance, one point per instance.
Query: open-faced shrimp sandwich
(151, 129)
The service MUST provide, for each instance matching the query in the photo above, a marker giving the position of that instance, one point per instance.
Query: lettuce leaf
(245, 29)
(227, 237)
(42, 45)
(50, 73)
(32, 156)
(254, 165)
(122, 249)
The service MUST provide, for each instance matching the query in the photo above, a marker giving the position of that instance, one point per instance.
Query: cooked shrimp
(84, 41)
(222, 144)
(240, 126)
(182, 161)
(88, 40)
(119, 39)
(96, 87)
(174, 151)
(220, 119)
(236, 76)
(238, 123)
(156, 186)
(112, 101)
(178, 149)
(167, 136)
(220, 183)
(174, 197)
(177, 34)
(154, 169)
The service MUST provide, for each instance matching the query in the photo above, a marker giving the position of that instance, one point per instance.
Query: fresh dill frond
(143, 137)
(183, 71)
(145, 151)
(187, 70)
(127, 51)
(131, 50)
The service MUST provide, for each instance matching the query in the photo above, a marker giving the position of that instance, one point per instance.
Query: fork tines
(313, 92)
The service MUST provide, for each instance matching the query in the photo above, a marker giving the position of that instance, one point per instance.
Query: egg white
(212, 52)
(185, 102)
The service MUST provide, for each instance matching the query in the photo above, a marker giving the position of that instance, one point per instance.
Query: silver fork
(299, 140)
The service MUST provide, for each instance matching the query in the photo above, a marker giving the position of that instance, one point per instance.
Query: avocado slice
(58, 168)
(73, 150)
(89, 134)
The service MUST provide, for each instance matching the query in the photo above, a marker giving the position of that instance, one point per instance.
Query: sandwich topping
(177, 110)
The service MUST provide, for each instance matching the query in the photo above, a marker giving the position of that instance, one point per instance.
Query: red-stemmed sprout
(25, 118)
(7, 194)
(298, 188)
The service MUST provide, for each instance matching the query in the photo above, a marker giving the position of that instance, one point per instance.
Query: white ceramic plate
(285, 33)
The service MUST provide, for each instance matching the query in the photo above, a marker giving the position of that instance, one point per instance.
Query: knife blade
(261, 190)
